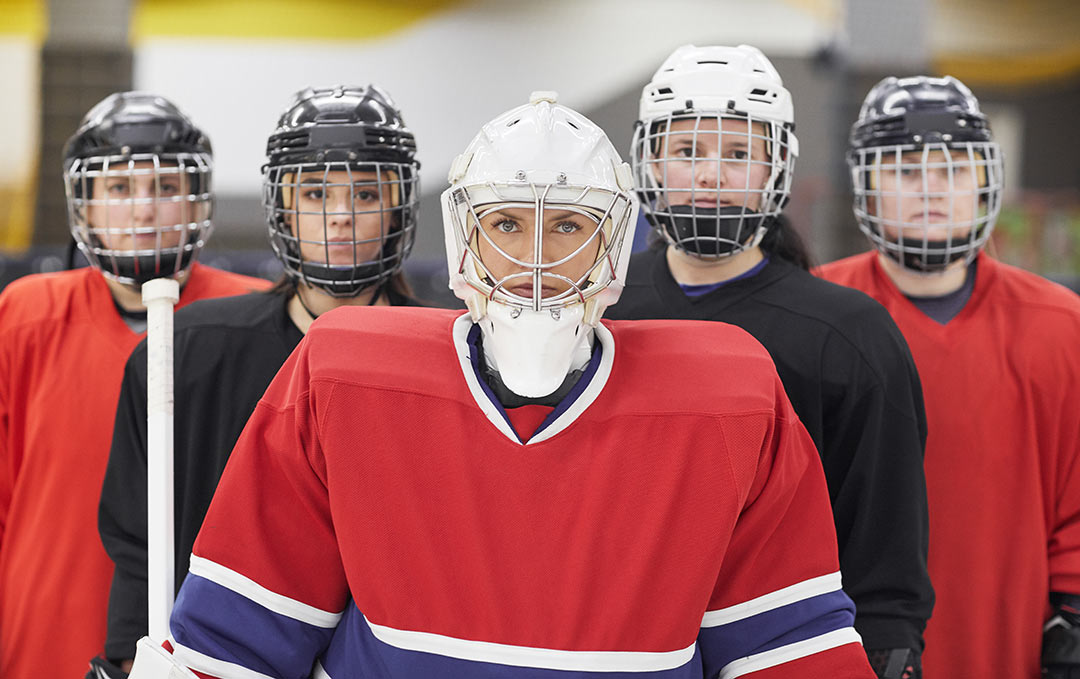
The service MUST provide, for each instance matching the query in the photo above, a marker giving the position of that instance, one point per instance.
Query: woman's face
(130, 208)
(569, 246)
(342, 217)
(712, 163)
(918, 200)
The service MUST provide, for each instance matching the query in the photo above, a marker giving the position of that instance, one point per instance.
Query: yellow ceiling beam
(24, 18)
(1007, 70)
(290, 19)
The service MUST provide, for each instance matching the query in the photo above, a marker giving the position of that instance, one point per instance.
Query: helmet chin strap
(534, 351)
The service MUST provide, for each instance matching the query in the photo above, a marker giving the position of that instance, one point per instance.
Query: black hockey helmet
(911, 129)
(346, 130)
(127, 123)
(919, 110)
(141, 139)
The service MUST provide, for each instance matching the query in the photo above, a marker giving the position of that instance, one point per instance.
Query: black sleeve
(874, 441)
(122, 513)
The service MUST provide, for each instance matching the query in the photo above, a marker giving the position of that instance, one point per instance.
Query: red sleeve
(266, 587)
(1059, 437)
(777, 605)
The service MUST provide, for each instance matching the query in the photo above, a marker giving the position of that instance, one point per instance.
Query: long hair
(783, 241)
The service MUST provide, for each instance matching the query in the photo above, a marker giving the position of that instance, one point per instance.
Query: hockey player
(996, 348)
(137, 174)
(546, 495)
(713, 155)
(341, 194)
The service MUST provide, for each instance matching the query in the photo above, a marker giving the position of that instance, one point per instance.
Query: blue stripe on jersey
(218, 622)
(356, 652)
(474, 358)
(774, 628)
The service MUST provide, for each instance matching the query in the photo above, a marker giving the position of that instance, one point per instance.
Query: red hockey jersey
(63, 346)
(380, 517)
(1002, 387)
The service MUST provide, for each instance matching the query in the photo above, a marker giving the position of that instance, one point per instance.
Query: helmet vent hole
(663, 94)
(513, 122)
(761, 96)
(717, 62)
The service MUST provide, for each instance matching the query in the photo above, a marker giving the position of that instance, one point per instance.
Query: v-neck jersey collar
(986, 273)
(587, 390)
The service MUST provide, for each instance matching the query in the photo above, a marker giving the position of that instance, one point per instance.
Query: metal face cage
(140, 216)
(928, 205)
(539, 246)
(341, 226)
(710, 182)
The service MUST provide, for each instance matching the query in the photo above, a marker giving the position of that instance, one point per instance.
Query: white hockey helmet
(698, 90)
(546, 158)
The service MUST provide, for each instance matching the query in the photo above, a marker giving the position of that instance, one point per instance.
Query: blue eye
(567, 227)
(506, 226)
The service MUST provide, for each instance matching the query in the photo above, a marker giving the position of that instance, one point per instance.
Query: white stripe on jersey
(781, 597)
(800, 649)
(249, 589)
(527, 656)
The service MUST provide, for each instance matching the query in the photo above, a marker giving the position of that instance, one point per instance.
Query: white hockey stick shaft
(159, 296)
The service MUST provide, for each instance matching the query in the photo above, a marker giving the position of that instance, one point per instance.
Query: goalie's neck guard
(534, 351)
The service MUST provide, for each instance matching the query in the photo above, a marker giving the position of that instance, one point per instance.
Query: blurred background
(454, 64)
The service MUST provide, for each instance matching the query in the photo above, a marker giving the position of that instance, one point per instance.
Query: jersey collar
(586, 390)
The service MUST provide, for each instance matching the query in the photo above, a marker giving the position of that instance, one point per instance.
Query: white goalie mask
(714, 149)
(926, 174)
(538, 221)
